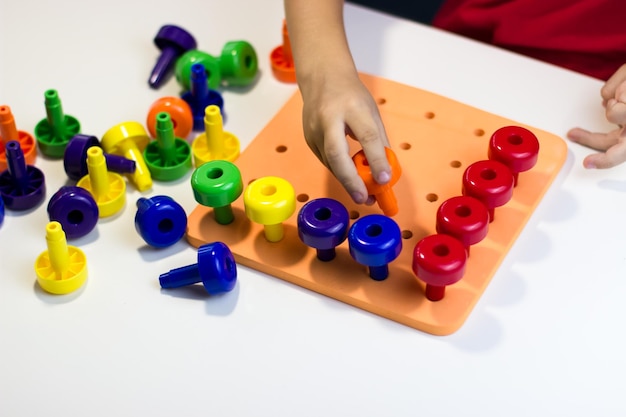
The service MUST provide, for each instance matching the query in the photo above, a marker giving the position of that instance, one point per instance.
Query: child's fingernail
(383, 177)
(590, 165)
(358, 198)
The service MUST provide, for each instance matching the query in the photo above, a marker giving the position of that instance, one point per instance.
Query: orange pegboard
(435, 139)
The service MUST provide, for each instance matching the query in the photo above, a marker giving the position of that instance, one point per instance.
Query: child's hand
(613, 144)
(337, 106)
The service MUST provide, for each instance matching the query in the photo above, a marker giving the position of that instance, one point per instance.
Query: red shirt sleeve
(587, 36)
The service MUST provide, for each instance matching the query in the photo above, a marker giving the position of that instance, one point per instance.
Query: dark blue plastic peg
(76, 209)
(160, 221)
(200, 96)
(375, 240)
(22, 186)
(75, 158)
(323, 225)
(173, 41)
(216, 270)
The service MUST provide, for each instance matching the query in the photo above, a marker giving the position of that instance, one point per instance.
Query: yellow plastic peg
(270, 201)
(214, 143)
(62, 268)
(129, 140)
(107, 188)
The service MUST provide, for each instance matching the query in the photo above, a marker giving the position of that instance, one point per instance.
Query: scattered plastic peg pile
(128, 152)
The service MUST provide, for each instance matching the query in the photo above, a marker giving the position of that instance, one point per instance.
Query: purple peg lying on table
(76, 209)
(22, 186)
(75, 158)
(173, 41)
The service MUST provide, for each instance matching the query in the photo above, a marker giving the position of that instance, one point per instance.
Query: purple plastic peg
(323, 225)
(76, 209)
(75, 158)
(173, 41)
(200, 96)
(22, 186)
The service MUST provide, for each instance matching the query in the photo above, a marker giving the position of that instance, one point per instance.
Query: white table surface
(546, 338)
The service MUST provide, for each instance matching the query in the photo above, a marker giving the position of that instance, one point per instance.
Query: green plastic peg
(168, 157)
(211, 65)
(217, 184)
(55, 131)
(238, 63)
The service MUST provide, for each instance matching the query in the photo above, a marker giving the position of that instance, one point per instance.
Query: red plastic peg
(384, 194)
(516, 147)
(465, 218)
(490, 182)
(439, 260)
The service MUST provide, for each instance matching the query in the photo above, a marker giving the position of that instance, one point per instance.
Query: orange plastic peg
(282, 60)
(383, 193)
(9, 132)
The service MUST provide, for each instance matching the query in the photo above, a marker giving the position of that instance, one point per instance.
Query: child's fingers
(613, 144)
(612, 84)
(614, 156)
(371, 135)
(339, 161)
(598, 141)
(616, 111)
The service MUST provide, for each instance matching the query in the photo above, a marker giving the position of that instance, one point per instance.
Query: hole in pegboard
(281, 148)
(455, 164)
(381, 101)
(432, 197)
(302, 198)
(479, 132)
(405, 146)
(354, 214)
(407, 234)
(429, 115)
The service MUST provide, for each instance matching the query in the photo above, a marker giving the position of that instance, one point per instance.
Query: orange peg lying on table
(383, 193)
